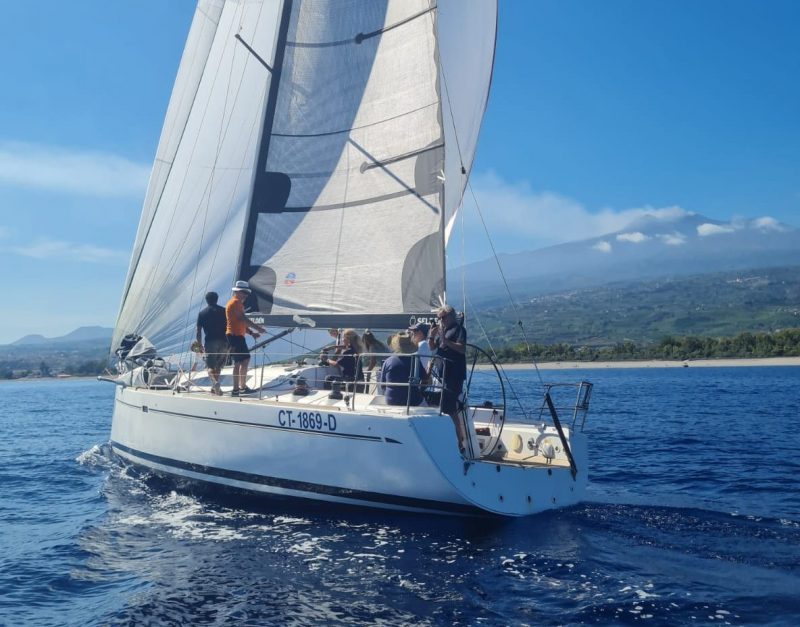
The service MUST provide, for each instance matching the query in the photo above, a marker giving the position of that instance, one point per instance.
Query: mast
(306, 157)
(249, 234)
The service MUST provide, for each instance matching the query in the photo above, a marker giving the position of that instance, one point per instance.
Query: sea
(692, 517)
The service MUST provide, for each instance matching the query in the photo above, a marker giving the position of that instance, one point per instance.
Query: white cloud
(635, 238)
(55, 249)
(549, 218)
(767, 223)
(70, 170)
(672, 239)
(706, 229)
(603, 247)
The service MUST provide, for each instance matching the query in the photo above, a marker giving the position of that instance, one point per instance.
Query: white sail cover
(321, 155)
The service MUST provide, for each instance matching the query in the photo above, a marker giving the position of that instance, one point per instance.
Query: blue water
(693, 517)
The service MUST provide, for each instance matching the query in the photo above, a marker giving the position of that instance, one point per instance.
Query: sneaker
(246, 390)
(234, 392)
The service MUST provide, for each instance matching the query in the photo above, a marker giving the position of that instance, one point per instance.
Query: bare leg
(243, 373)
(214, 375)
(460, 432)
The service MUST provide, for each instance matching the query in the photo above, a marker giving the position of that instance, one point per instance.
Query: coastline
(658, 363)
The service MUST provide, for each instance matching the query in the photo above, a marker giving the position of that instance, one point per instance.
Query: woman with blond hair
(348, 359)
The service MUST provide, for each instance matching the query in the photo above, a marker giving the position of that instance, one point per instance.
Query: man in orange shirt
(236, 327)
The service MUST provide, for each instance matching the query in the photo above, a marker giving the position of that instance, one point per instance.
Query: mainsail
(318, 149)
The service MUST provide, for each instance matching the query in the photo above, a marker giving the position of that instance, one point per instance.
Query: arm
(248, 324)
(258, 329)
(422, 372)
(432, 337)
(459, 347)
(199, 335)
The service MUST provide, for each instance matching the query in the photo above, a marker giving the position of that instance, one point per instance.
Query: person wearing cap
(237, 326)
(400, 373)
(212, 322)
(449, 339)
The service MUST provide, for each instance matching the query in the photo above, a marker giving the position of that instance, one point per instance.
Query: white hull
(315, 448)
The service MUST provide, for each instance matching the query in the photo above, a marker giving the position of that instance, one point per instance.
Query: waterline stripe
(304, 486)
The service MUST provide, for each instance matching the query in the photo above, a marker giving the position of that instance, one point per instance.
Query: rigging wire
(483, 222)
(177, 201)
(500, 367)
(220, 139)
(135, 262)
(224, 133)
(244, 155)
(505, 283)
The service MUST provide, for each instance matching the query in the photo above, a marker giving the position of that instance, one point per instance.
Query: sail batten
(324, 163)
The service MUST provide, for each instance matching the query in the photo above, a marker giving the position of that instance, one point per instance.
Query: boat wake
(595, 562)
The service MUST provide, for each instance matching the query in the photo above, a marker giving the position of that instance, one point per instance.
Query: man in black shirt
(449, 341)
(211, 321)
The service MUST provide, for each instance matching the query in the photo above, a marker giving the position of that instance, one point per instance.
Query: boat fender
(548, 452)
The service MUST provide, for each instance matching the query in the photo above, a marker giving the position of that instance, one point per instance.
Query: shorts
(450, 394)
(238, 348)
(216, 354)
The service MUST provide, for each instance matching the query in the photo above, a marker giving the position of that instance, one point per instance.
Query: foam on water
(682, 526)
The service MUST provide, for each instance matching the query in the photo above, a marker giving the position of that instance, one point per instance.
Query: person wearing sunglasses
(448, 341)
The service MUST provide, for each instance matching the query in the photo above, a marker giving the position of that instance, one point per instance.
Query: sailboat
(319, 150)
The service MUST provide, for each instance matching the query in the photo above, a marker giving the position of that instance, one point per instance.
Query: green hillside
(709, 305)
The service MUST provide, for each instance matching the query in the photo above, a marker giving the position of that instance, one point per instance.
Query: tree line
(784, 343)
(85, 368)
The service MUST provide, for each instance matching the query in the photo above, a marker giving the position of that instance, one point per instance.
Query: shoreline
(657, 363)
(575, 365)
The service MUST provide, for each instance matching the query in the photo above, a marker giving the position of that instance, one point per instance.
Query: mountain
(93, 334)
(651, 247)
(84, 351)
(709, 305)
(30, 340)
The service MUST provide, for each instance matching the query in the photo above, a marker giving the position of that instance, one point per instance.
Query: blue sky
(599, 111)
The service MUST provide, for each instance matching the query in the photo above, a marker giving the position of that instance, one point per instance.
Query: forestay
(321, 155)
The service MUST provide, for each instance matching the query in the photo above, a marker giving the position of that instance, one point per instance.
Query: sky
(599, 112)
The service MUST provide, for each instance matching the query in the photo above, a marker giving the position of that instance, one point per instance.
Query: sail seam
(135, 265)
(221, 135)
(357, 128)
(360, 37)
(251, 219)
(353, 203)
(177, 254)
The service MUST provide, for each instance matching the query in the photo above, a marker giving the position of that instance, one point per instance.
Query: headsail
(330, 180)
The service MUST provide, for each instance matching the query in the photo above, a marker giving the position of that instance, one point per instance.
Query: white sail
(467, 34)
(203, 174)
(331, 178)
